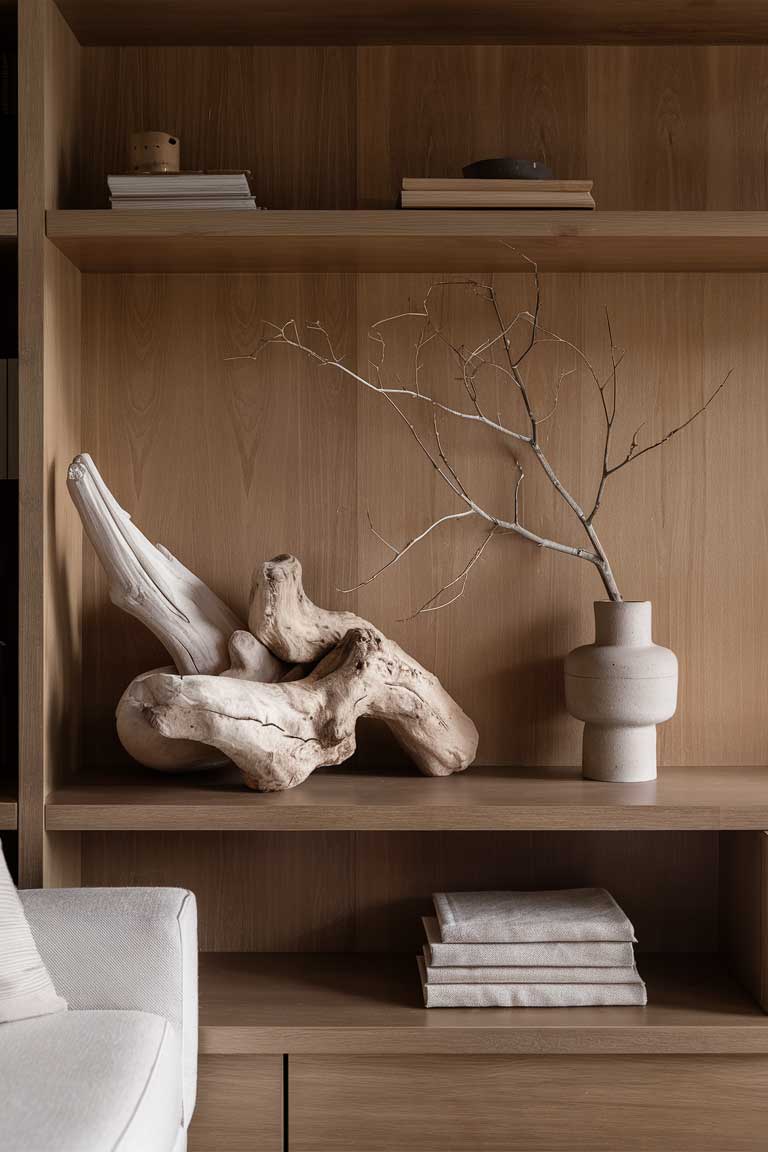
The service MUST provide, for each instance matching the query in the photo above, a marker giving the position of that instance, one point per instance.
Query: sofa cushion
(25, 986)
(90, 1082)
(127, 948)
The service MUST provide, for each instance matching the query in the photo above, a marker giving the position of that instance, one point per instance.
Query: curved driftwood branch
(146, 744)
(277, 734)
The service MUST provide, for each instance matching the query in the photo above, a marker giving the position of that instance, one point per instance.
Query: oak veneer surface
(288, 114)
(432, 21)
(341, 1003)
(352, 798)
(353, 122)
(395, 241)
(239, 1105)
(367, 891)
(557, 1103)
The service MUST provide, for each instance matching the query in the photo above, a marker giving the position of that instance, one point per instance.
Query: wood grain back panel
(677, 127)
(288, 114)
(367, 891)
(426, 111)
(744, 910)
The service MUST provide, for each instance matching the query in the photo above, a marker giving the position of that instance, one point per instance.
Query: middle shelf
(371, 1003)
(354, 798)
(409, 241)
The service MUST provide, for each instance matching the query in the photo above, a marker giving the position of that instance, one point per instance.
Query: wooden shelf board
(415, 21)
(355, 798)
(403, 241)
(8, 813)
(8, 226)
(259, 1003)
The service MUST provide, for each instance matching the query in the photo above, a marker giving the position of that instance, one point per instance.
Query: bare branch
(431, 605)
(378, 535)
(400, 552)
(609, 415)
(633, 454)
(518, 482)
(472, 363)
(281, 336)
(556, 398)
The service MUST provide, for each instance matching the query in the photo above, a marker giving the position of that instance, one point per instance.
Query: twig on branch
(634, 454)
(431, 605)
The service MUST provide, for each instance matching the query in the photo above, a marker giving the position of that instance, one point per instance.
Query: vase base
(619, 755)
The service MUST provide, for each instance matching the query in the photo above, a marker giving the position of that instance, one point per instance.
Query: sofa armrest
(123, 948)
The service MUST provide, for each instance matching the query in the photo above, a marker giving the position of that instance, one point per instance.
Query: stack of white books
(466, 193)
(565, 949)
(228, 191)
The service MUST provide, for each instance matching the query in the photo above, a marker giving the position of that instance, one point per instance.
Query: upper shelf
(410, 241)
(481, 798)
(416, 21)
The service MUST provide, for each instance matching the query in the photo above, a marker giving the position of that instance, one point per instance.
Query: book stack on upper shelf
(549, 194)
(564, 949)
(225, 191)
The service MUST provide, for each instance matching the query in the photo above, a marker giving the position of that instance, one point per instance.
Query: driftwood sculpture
(279, 700)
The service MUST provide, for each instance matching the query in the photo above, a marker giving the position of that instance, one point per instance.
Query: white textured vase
(621, 686)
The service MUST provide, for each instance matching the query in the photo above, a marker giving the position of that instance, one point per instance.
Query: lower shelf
(254, 1003)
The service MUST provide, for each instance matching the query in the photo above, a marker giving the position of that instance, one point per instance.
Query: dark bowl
(507, 168)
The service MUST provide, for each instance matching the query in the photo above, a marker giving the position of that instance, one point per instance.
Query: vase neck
(627, 623)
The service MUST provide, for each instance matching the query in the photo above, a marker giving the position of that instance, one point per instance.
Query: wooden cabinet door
(239, 1105)
(528, 1104)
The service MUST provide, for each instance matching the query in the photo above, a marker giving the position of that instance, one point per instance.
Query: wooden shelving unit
(252, 1003)
(408, 241)
(494, 799)
(135, 336)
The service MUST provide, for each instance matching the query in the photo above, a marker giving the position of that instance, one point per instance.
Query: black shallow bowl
(507, 168)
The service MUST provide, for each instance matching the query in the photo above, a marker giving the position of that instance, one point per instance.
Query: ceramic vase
(621, 686)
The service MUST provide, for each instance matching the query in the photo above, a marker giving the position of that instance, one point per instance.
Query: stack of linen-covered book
(468, 193)
(227, 191)
(564, 949)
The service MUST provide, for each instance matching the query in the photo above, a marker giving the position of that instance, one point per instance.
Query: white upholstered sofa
(118, 1071)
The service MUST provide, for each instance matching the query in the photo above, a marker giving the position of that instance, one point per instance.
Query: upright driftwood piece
(147, 582)
(189, 620)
